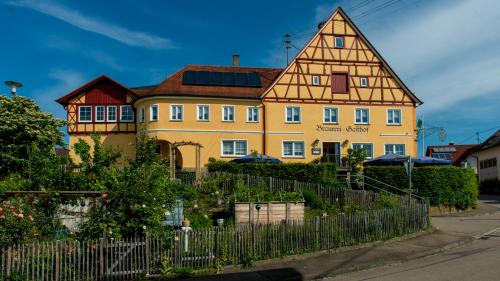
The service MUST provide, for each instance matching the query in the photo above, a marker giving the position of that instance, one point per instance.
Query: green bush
(305, 172)
(442, 185)
(490, 186)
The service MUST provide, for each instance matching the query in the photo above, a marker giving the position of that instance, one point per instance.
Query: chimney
(451, 143)
(236, 60)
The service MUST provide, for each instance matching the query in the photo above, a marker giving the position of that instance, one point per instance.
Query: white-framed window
(316, 80)
(203, 112)
(395, 148)
(142, 113)
(233, 148)
(361, 116)
(292, 114)
(330, 115)
(126, 113)
(176, 112)
(368, 147)
(228, 113)
(363, 81)
(111, 116)
(85, 113)
(253, 114)
(153, 112)
(293, 149)
(100, 113)
(394, 116)
(339, 42)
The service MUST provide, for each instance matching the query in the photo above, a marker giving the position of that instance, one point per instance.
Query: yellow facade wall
(124, 142)
(208, 133)
(313, 128)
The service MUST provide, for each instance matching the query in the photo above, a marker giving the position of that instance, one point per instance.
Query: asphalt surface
(463, 246)
(479, 260)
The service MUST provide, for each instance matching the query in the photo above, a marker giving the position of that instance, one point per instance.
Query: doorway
(331, 152)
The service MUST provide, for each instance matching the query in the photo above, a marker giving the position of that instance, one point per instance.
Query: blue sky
(446, 51)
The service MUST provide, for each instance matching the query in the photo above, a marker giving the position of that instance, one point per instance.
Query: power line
(476, 134)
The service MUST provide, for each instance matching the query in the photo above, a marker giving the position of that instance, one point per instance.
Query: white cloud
(451, 30)
(116, 32)
(106, 59)
(65, 81)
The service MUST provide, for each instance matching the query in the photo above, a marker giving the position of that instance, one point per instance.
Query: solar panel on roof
(228, 78)
(254, 80)
(202, 77)
(240, 79)
(215, 78)
(189, 77)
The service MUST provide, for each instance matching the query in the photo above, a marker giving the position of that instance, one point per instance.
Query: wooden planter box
(269, 213)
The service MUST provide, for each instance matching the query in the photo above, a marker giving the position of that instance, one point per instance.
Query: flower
(217, 192)
(30, 217)
(14, 214)
(21, 216)
(2, 217)
(144, 205)
(144, 227)
(1, 209)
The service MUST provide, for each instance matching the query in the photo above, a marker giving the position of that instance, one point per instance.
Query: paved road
(479, 260)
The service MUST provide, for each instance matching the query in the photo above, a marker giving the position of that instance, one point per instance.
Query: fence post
(148, 251)
(58, 267)
(101, 258)
(9, 258)
(316, 237)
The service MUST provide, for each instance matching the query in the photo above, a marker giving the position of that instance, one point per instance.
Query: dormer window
(339, 42)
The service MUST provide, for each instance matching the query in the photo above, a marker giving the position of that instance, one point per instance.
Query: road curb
(415, 256)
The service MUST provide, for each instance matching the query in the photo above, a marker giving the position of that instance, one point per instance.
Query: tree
(22, 125)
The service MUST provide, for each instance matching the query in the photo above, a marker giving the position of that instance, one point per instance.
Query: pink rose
(14, 214)
(1, 209)
(2, 217)
(21, 216)
(30, 217)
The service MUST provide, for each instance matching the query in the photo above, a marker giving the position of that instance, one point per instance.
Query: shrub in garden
(305, 172)
(442, 185)
(19, 222)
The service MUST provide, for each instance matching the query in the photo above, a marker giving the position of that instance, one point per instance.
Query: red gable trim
(64, 100)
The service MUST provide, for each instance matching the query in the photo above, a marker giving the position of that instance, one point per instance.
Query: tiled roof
(173, 86)
(492, 141)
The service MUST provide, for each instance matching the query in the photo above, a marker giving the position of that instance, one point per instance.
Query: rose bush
(18, 221)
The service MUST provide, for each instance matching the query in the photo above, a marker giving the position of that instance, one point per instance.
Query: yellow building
(337, 93)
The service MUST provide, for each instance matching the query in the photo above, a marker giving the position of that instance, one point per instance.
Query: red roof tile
(457, 156)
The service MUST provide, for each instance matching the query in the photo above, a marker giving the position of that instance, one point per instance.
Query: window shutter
(340, 83)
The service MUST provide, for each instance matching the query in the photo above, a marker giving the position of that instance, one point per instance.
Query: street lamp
(13, 86)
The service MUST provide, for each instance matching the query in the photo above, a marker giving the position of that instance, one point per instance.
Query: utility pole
(478, 139)
(287, 41)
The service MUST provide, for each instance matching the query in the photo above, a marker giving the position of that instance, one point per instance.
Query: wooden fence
(206, 248)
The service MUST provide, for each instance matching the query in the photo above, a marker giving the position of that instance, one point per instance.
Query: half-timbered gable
(102, 105)
(345, 67)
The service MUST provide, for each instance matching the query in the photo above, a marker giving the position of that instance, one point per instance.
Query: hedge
(443, 185)
(305, 172)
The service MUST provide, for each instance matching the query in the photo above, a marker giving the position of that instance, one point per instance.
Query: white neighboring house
(488, 157)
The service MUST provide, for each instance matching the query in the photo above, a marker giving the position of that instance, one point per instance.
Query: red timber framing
(358, 59)
(102, 91)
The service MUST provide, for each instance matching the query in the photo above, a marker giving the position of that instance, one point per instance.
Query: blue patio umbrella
(395, 159)
(256, 158)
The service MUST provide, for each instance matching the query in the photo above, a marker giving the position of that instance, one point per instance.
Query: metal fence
(206, 248)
